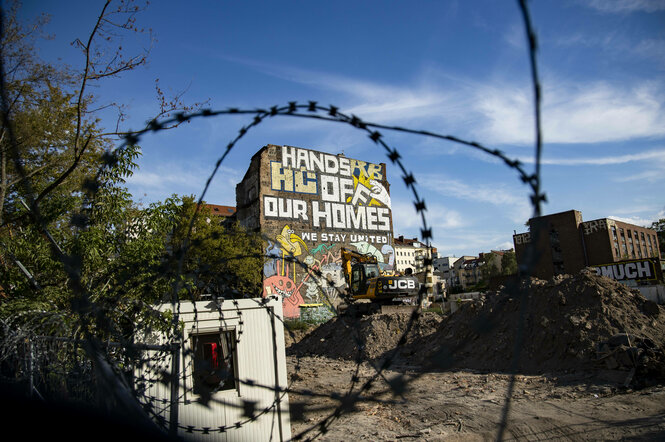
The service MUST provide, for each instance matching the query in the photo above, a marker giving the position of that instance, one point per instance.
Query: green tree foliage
(62, 204)
(42, 155)
(490, 266)
(659, 227)
(218, 257)
(77, 255)
(509, 263)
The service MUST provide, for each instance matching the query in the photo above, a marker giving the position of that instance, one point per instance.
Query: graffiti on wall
(284, 287)
(322, 202)
(633, 270)
(290, 244)
(350, 193)
(321, 266)
(320, 280)
(522, 238)
(594, 226)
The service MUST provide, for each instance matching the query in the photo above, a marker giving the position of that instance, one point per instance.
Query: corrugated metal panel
(261, 368)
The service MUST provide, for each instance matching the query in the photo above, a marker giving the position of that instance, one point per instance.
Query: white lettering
(371, 218)
(270, 206)
(284, 208)
(346, 188)
(316, 161)
(402, 284)
(355, 219)
(344, 167)
(289, 156)
(329, 188)
(383, 215)
(300, 210)
(643, 269)
(318, 214)
(338, 216)
(618, 272)
(332, 166)
(303, 159)
(631, 271)
(360, 196)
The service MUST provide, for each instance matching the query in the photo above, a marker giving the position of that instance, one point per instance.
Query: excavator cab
(361, 275)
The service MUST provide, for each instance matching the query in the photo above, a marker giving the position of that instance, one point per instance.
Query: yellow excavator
(385, 290)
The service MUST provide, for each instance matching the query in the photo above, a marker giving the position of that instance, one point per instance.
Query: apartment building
(567, 244)
(444, 266)
(411, 253)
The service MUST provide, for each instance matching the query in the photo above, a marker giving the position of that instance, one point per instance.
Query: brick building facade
(567, 244)
(307, 205)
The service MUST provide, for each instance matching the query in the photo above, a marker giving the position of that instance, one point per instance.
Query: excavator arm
(349, 258)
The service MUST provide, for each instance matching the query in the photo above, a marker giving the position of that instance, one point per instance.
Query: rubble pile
(373, 335)
(571, 323)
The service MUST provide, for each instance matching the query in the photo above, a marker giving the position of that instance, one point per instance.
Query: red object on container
(211, 349)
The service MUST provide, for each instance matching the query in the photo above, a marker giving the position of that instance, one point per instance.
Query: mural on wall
(323, 202)
(290, 244)
(594, 226)
(322, 283)
(284, 287)
(351, 195)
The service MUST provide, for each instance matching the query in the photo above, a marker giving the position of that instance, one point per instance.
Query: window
(214, 362)
(371, 271)
(356, 278)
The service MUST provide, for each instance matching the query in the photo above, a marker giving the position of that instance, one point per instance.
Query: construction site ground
(576, 358)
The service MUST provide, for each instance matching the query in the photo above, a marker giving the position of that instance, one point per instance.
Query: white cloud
(156, 182)
(574, 113)
(438, 217)
(651, 49)
(633, 220)
(472, 243)
(620, 6)
(498, 112)
(513, 205)
(600, 160)
(632, 216)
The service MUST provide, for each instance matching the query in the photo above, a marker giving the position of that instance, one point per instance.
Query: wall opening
(214, 362)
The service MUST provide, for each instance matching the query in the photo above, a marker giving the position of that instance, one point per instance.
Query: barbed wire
(356, 391)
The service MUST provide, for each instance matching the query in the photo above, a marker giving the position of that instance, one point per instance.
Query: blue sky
(453, 67)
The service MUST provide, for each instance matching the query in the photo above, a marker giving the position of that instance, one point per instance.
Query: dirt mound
(571, 323)
(568, 323)
(296, 335)
(374, 335)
